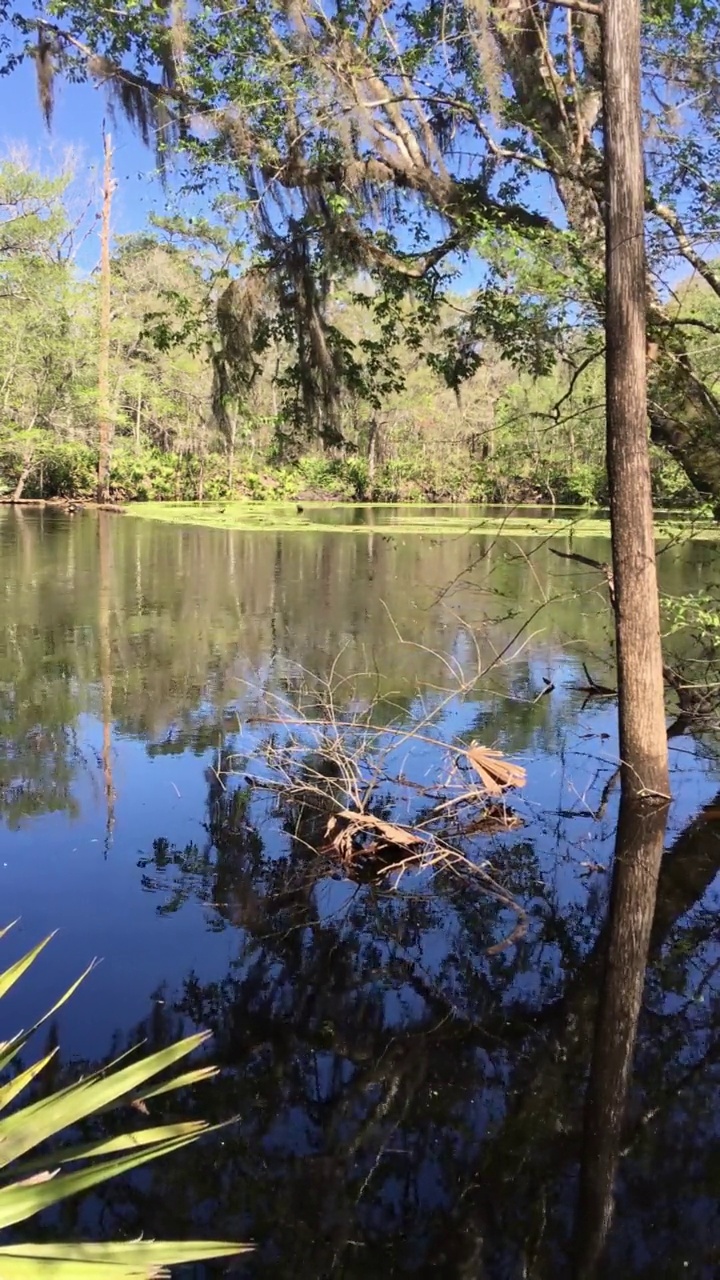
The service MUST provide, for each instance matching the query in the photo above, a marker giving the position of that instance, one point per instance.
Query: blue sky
(77, 127)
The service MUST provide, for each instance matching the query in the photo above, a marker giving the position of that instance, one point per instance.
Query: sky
(77, 128)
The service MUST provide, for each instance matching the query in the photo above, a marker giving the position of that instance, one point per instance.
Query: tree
(643, 741)
(394, 140)
(40, 388)
(104, 420)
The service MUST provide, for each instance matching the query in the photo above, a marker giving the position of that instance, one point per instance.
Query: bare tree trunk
(26, 472)
(638, 854)
(231, 453)
(104, 419)
(643, 742)
(372, 452)
(138, 417)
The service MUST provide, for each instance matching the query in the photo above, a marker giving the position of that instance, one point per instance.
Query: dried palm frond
(496, 773)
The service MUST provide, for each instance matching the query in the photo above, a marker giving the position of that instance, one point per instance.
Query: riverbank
(68, 471)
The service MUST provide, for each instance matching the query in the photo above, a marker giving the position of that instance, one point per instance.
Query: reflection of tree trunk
(688, 869)
(104, 603)
(638, 854)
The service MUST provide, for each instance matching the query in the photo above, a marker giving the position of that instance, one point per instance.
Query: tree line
(505, 434)
(395, 146)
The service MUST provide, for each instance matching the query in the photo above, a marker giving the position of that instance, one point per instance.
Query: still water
(409, 1090)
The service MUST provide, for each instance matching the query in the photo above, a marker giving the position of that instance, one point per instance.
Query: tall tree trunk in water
(104, 422)
(643, 741)
(638, 854)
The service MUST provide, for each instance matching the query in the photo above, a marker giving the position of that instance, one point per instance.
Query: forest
(394, 291)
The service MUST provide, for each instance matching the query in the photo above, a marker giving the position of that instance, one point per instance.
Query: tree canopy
(400, 140)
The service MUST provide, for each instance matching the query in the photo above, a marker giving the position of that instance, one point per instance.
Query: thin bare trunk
(22, 479)
(643, 741)
(138, 417)
(104, 416)
(638, 855)
(372, 452)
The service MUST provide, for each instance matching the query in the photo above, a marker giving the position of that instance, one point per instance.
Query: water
(409, 1099)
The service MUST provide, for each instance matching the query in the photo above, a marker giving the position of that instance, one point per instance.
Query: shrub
(30, 1182)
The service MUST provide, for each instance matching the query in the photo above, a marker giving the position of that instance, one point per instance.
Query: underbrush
(68, 470)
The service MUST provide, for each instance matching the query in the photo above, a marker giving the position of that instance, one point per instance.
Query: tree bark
(638, 855)
(104, 417)
(28, 467)
(643, 740)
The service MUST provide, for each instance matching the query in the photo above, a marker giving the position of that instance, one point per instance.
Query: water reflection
(410, 1102)
(636, 867)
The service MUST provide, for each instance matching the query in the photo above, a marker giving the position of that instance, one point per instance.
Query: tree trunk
(26, 472)
(372, 453)
(138, 417)
(643, 740)
(638, 854)
(104, 420)
(685, 416)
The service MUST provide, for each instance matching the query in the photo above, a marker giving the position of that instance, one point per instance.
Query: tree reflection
(410, 1104)
(638, 854)
(151, 629)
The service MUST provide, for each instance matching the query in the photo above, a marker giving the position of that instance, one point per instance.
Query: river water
(408, 1089)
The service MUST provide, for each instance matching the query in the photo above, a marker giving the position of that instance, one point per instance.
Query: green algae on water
(392, 520)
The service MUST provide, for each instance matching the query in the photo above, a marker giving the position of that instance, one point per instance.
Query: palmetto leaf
(10, 1048)
(15, 1086)
(22, 1199)
(38, 1182)
(11, 975)
(25, 1129)
(111, 1146)
(131, 1261)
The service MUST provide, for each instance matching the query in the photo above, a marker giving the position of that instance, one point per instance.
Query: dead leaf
(46, 1176)
(496, 773)
(387, 830)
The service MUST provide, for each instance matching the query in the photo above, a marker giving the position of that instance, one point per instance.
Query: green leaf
(11, 1090)
(21, 1201)
(179, 1082)
(25, 1129)
(135, 1260)
(11, 975)
(109, 1146)
(10, 1048)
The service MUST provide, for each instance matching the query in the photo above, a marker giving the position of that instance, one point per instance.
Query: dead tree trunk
(643, 741)
(27, 470)
(104, 416)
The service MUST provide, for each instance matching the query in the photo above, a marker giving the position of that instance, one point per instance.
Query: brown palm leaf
(496, 773)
